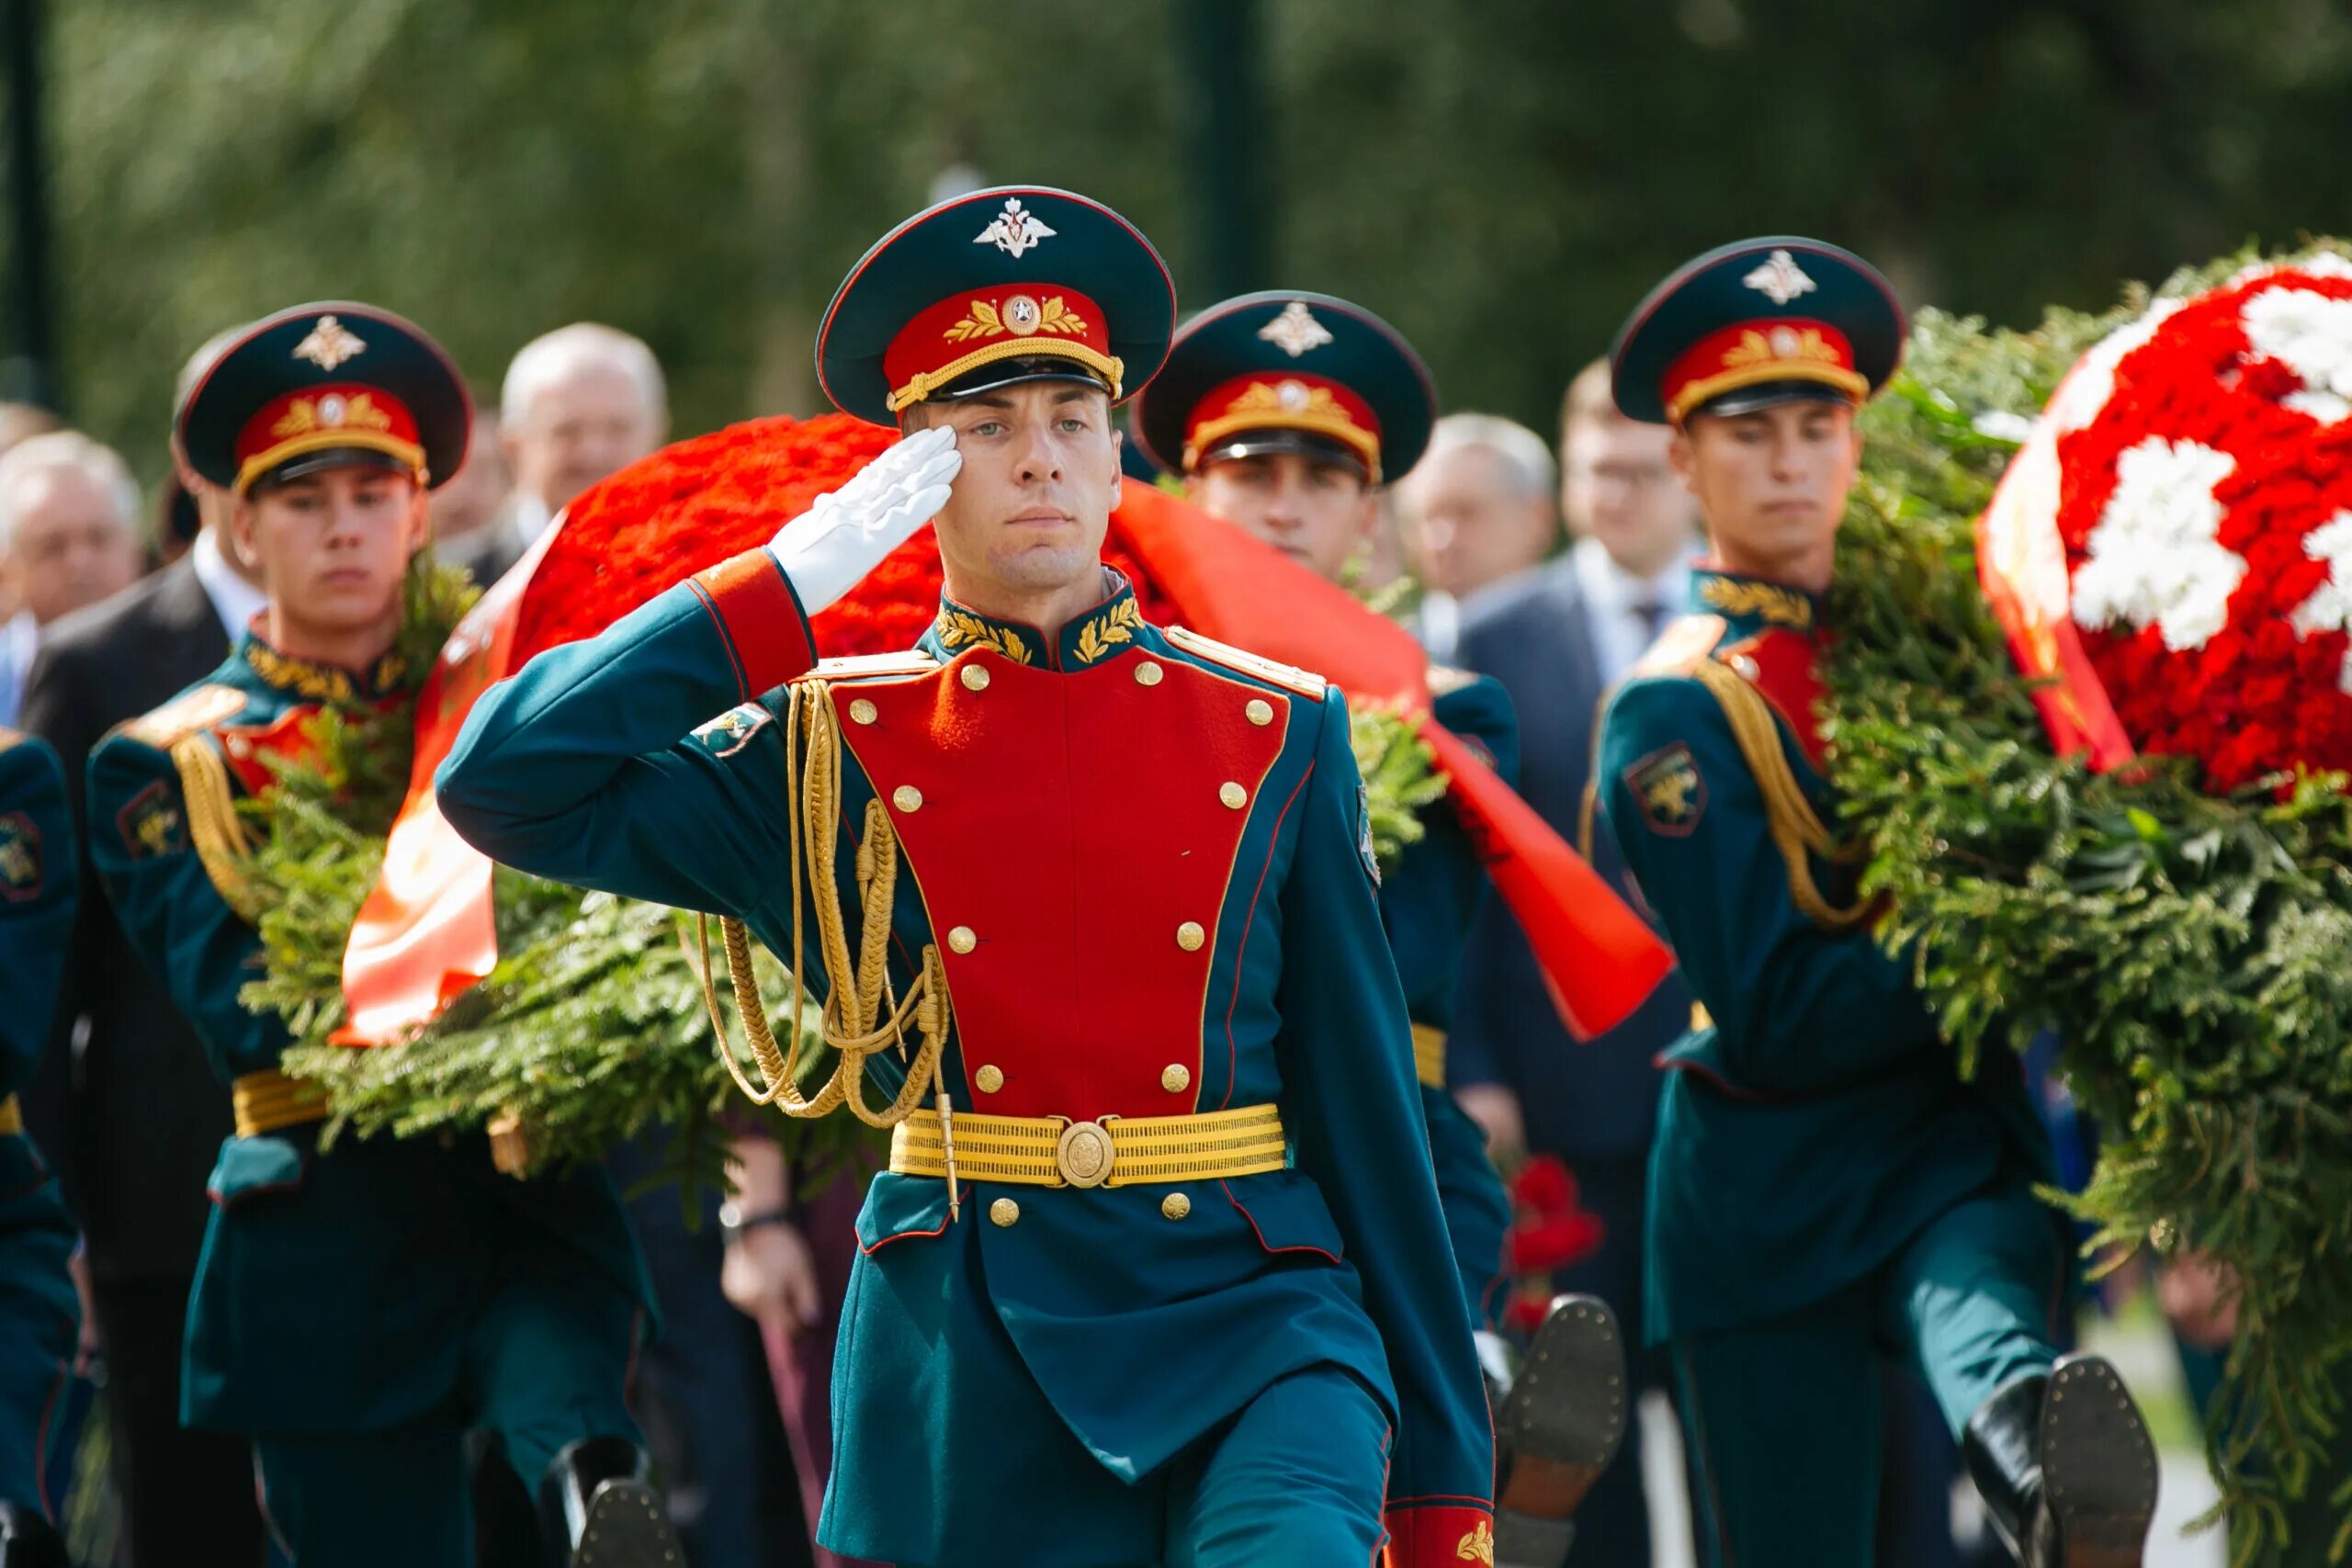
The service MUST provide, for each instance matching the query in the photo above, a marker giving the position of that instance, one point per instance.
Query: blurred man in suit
(480, 494)
(1475, 516)
(578, 403)
(1557, 638)
(68, 539)
(124, 1104)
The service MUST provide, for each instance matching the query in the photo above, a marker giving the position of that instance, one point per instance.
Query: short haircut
(22, 421)
(1588, 400)
(545, 361)
(1526, 462)
(64, 449)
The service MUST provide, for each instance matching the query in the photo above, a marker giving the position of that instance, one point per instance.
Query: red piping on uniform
(1232, 1052)
(1267, 1246)
(900, 1235)
(719, 625)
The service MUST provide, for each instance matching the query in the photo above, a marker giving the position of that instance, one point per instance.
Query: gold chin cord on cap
(862, 1015)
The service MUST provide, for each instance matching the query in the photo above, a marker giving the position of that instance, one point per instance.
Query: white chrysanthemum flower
(2152, 558)
(2329, 609)
(2312, 335)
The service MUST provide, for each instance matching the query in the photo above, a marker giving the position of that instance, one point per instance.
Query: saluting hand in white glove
(828, 549)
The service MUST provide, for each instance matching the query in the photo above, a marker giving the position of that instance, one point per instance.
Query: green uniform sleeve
(172, 915)
(1353, 1107)
(1796, 1008)
(640, 761)
(40, 873)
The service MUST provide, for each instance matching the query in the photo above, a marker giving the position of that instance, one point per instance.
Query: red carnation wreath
(2204, 502)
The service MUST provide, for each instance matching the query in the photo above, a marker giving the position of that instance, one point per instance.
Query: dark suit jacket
(487, 552)
(1591, 1101)
(132, 1116)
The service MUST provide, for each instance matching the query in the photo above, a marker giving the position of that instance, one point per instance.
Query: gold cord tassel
(1797, 830)
(862, 1015)
(221, 843)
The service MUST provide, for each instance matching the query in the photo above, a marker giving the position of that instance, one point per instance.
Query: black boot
(27, 1540)
(598, 1509)
(2065, 1467)
(1558, 1427)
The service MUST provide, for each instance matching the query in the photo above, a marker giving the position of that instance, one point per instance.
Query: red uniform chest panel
(1785, 666)
(1075, 835)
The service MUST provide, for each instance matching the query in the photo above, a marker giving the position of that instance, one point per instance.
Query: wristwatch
(735, 1222)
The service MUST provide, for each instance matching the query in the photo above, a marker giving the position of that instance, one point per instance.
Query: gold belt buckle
(1084, 1153)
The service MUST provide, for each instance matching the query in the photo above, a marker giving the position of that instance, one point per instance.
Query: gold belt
(1118, 1151)
(268, 1100)
(12, 1117)
(1428, 1055)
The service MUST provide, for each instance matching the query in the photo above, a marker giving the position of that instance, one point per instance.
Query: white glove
(830, 547)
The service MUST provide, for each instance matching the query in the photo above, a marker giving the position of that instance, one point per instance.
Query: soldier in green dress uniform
(358, 1309)
(1158, 1272)
(1286, 414)
(1825, 1185)
(40, 1319)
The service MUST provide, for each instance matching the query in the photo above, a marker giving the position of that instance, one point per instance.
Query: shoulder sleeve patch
(1287, 676)
(733, 730)
(151, 823)
(20, 858)
(198, 707)
(1668, 787)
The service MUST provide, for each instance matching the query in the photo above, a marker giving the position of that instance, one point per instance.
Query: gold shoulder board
(873, 666)
(1683, 646)
(1287, 676)
(199, 707)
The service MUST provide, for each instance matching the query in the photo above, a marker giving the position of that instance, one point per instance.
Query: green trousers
(1782, 1417)
(547, 1363)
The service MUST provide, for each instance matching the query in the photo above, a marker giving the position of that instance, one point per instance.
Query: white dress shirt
(1616, 598)
(234, 600)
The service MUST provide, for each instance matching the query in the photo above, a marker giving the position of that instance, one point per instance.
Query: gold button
(239, 746)
(863, 711)
(1004, 1210)
(1148, 673)
(962, 940)
(1175, 1205)
(1176, 1078)
(906, 797)
(1189, 936)
(989, 1079)
(1233, 794)
(1259, 711)
(974, 676)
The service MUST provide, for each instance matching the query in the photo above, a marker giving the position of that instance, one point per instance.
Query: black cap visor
(1771, 394)
(1307, 443)
(333, 457)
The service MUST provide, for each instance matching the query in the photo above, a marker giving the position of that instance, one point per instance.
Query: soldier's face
(1319, 515)
(1028, 511)
(1772, 484)
(331, 548)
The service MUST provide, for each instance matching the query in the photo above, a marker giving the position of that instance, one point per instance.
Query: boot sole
(626, 1527)
(1565, 1417)
(2098, 1467)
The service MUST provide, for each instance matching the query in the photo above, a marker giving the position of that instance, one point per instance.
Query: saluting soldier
(1158, 1272)
(358, 1309)
(39, 1320)
(1824, 1184)
(1287, 415)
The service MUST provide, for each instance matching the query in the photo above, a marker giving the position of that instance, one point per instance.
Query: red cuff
(1439, 1535)
(760, 619)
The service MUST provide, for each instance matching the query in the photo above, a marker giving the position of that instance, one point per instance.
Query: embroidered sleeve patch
(152, 824)
(20, 866)
(1666, 786)
(733, 730)
(1365, 852)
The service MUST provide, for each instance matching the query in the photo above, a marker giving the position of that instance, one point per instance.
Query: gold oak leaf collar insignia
(1752, 599)
(325, 682)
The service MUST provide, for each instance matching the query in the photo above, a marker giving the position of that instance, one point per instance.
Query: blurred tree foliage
(1502, 178)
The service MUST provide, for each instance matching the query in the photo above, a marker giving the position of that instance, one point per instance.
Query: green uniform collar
(313, 682)
(1102, 633)
(1751, 605)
